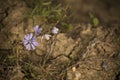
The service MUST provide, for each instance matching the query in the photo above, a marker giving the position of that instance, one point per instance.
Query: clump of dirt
(86, 53)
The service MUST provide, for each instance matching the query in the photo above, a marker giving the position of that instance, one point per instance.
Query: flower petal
(30, 35)
(35, 43)
(33, 47)
(47, 36)
(25, 42)
(39, 30)
(34, 38)
(36, 28)
(28, 47)
(55, 30)
(26, 37)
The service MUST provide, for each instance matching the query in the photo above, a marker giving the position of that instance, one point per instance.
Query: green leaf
(11, 57)
(95, 21)
(91, 15)
(70, 27)
(66, 27)
(46, 3)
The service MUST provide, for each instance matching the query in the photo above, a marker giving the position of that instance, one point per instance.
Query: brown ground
(86, 53)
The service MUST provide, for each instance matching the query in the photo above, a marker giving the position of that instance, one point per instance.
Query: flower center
(29, 41)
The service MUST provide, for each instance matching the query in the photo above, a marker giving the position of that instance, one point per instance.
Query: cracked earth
(86, 53)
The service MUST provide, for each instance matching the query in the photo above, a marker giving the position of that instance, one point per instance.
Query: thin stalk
(17, 57)
(50, 51)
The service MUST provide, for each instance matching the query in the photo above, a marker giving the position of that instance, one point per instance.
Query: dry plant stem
(51, 50)
(51, 47)
(17, 57)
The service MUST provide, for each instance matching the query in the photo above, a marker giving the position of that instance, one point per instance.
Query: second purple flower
(37, 29)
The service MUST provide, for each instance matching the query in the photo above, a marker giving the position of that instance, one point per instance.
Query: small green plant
(48, 11)
(51, 13)
(66, 26)
(95, 20)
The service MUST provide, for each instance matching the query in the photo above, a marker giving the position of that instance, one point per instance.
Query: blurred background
(106, 10)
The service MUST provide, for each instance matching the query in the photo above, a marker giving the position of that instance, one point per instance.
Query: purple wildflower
(30, 41)
(55, 30)
(37, 29)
